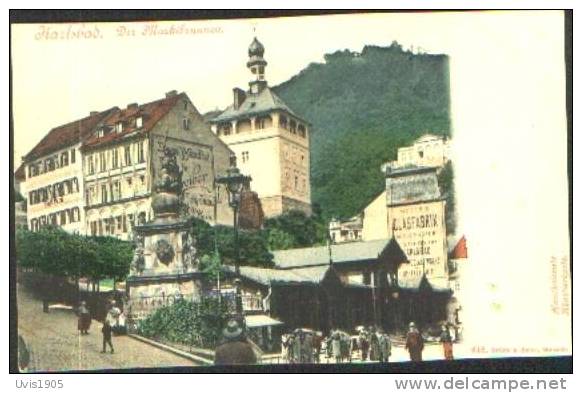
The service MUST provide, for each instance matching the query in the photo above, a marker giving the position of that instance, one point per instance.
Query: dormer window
(119, 127)
(103, 130)
(139, 122)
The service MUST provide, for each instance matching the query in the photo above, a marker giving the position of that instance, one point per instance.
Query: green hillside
(362, 107)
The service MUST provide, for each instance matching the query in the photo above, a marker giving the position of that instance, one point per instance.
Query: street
(56, 345)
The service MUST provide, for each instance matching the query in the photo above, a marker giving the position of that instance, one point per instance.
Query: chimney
(239, 97)
(133, 105)
(93, 113)
(171, 93)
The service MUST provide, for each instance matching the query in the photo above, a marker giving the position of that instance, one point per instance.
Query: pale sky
(508, 106)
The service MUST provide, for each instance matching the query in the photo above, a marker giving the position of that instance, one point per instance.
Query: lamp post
(235, 183)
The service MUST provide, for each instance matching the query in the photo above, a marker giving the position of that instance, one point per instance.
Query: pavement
(56, 345)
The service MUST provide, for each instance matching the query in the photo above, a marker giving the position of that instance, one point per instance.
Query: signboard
(196, 163)
(420, 231)
(413, 187)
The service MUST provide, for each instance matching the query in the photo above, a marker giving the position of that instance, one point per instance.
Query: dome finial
(256, 48)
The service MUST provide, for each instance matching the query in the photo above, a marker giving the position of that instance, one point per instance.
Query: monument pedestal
(164, 267)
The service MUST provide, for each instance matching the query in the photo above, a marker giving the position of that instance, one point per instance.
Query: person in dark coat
(364, 344)
(106, 330)
(374, 345)
(414, 343)
(235, 349)
(447, 341)
(84, 321)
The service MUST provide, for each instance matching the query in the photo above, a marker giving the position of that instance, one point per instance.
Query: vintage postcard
(377, 189)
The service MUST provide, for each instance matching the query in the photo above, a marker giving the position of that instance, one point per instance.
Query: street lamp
(235, 183)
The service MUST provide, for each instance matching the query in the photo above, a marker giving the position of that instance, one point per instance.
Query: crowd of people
(367, 344)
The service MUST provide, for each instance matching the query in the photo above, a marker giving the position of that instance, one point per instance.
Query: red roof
(151, 113)
(67, 135)
(19, 174)
(460, 250)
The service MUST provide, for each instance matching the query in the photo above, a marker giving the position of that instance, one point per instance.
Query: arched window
(293, 126)
(283, 122)
(301, 130)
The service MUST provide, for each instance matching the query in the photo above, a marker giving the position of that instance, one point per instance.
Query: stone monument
(165, 265)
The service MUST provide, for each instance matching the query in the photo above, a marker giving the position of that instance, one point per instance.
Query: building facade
(94, 176)
(123, 159)
(428, 150)
(270, 141)
(53, 184)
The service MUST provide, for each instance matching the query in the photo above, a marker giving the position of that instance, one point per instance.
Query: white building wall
(375, 221)
(73, 200)
(261, 159)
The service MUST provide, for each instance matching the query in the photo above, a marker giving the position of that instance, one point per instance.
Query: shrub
(196, 323)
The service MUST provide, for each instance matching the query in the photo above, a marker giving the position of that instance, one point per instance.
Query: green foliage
(447, 186)
(253, 245)
(113, 258)
(193, 323)
(53, 251)
(211, 265)
(294, 229)
(362, 108)
(280, 240)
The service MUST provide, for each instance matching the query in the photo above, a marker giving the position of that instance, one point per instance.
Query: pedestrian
(84, 319)
(364, 345)
(291, 348)
(113, 314)
(235, 349)
(298, 346)
(447, 341)
(106, 330)
(374, 346)
(307, 347)
(414, 343)
(317, 340)
(336, 347)
(385, 348)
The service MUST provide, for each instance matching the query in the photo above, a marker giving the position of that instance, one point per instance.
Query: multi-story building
(53, 181)
(411, 210)
(123, 163)
(428, 150)
(96, 175)
(270, 141)
(341, 231)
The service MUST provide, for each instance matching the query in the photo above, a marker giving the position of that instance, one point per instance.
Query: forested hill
(362, 107)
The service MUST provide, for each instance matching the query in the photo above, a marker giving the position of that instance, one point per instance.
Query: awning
(255, 321)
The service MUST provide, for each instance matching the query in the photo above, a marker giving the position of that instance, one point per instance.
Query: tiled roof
(67, 134)
(151, 113)
(340, 253)
(254, 104)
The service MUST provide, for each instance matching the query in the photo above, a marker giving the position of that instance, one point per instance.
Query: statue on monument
(138, 261)
(189, 252)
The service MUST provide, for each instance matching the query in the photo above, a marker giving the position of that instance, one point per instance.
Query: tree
(295, 229)
(57, 253)
(114, 258)
(253, 245)
(280, 240)
(446, 181)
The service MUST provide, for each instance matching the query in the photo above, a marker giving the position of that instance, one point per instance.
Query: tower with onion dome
(270, 140)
